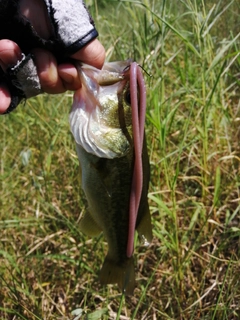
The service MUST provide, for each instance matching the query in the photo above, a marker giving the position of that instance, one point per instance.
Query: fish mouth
(100, 118)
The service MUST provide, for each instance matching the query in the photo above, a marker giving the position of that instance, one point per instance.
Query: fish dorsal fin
(144, 227)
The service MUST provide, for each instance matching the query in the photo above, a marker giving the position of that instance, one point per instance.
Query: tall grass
(190, 271)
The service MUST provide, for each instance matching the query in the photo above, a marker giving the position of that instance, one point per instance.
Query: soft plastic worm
(138, 119)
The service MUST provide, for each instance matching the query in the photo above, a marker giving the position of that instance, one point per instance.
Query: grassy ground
(191, 269)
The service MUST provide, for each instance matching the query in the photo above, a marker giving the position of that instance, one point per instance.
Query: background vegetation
(191, 270)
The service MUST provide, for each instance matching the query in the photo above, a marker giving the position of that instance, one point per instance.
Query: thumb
(92, 54)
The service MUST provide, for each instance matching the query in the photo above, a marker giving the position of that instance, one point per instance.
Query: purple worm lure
(137, 87)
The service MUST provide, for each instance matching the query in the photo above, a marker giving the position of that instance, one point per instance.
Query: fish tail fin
(123, 275)
(144, 227)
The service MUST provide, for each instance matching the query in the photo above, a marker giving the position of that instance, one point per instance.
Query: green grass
(191, 270)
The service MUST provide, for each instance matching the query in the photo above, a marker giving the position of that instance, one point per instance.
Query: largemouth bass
(115, 187)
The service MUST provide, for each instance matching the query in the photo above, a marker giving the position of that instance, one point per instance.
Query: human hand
(54, 77)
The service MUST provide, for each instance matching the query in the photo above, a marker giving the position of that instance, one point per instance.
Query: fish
(114, 172)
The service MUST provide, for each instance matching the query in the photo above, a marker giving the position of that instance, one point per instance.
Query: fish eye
(127, 97)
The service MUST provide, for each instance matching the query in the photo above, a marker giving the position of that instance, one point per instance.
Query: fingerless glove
(72, 27)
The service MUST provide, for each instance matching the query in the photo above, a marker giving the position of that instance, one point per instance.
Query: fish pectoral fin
(89, 226)
(123, 275)
(144, 228)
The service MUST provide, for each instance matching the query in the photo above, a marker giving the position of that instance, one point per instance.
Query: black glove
(73, 29)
